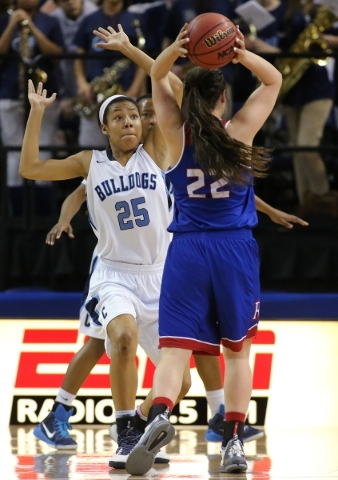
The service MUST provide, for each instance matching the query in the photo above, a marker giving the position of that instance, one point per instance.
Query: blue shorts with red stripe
(210, 293)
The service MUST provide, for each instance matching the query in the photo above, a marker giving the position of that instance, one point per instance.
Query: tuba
(107, 84)
(310, 40)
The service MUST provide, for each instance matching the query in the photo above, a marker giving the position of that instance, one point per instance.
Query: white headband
(105, 104)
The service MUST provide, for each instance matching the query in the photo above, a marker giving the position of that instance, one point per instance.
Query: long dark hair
(216, 152)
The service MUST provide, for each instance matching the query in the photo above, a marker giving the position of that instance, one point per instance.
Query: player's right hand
(56, 232)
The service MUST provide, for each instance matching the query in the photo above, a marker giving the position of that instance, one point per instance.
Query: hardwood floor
(300, 454)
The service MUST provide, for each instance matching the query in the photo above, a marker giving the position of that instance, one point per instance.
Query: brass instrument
(102, 87)
(107, 84)
(26, 55)
(310, 40)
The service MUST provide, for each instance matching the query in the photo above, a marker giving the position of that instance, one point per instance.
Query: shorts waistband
(237, 232)
(131, 267)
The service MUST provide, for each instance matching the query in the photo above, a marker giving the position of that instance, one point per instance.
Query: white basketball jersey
(129, 208)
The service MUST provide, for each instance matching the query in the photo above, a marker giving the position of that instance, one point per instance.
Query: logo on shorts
(256, 314)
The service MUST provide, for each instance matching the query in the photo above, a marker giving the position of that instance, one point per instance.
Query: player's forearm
(262, 206)
(30, 153)
(145, 62)
(72, 205)
(163, 63)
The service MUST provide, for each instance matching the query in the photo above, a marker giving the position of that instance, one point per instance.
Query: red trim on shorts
(163, 401)
(237, 346)
(189, 344)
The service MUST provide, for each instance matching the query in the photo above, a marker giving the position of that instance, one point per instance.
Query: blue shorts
(210, 291)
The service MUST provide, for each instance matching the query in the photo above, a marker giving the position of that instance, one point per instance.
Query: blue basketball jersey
(203, 204)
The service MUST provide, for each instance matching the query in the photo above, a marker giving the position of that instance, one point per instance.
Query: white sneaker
(161, 457)
(127, 440)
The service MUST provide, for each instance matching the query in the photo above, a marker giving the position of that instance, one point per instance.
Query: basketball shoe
(126, 441)
(54, 429)
(161, 457)
(157, 434)
(233, 458)
(216, 428)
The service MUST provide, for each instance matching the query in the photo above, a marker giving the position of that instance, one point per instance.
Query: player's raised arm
(31, 166)
(251, 117)
(168, 113)
(118, 40)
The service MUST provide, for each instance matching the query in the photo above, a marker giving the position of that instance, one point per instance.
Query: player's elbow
(153, 69)
(26, 172)
(279, 78)
(23, 171)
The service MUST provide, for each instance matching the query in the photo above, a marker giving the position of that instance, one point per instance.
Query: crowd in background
(35, 29)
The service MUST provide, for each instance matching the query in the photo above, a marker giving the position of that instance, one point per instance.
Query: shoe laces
(235, 447)
(127, 440)
(62, 428)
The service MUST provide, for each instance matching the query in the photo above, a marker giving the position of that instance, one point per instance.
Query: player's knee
(125, 343)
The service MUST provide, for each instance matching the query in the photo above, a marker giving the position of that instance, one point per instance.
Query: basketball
(212, 40)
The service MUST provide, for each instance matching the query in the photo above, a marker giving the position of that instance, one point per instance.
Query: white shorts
(120, 288)
(85, 324)
(87, 328)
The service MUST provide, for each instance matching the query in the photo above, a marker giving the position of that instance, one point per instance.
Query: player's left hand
(285, 219)
(180, 43)
(111, 39)
(239, 47)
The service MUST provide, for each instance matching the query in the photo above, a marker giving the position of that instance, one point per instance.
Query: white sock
(140, 414)
(124, 413)
(215, 399)
(65, 397)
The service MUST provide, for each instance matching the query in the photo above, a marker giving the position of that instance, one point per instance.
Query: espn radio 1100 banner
(46, 348)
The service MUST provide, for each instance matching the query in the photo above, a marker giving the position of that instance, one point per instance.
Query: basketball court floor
(309, 453)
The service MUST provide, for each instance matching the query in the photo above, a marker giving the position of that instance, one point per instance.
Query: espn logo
(46, 354)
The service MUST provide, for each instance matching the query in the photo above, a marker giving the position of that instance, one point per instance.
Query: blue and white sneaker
(53, 430)
(161, 457)
(126, 441)
(216, 428)
(251, 433)
(157, 434)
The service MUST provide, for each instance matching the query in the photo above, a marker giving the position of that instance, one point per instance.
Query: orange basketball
(212, 40)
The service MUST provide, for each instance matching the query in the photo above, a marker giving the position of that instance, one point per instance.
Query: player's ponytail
(217, 153)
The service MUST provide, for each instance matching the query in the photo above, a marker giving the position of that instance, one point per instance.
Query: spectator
(41, 35)
(153, 20)
(112, 12)
(70, 13)
(306, 106)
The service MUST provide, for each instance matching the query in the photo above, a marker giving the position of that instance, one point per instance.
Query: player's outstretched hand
(286, 219)
(111, 39)
(239, 47)
(180, 43)
(56, 232)
(38, 98)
